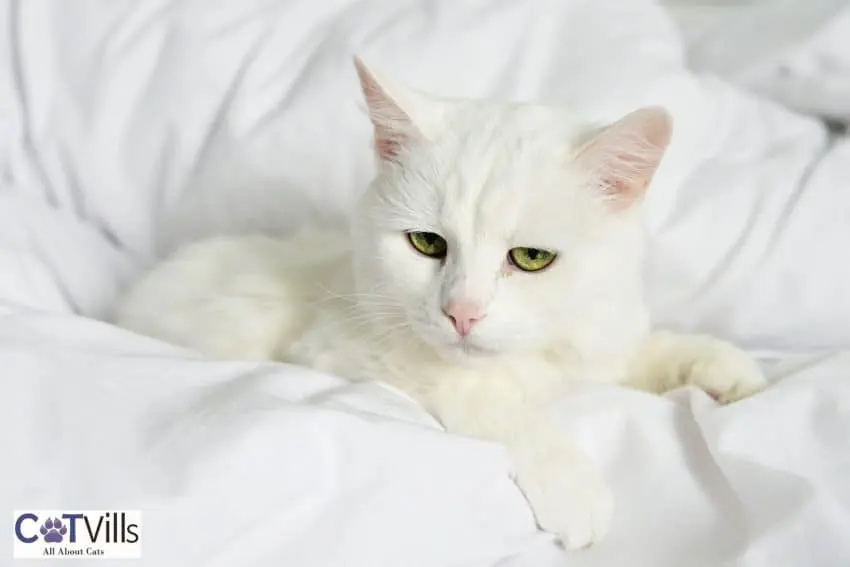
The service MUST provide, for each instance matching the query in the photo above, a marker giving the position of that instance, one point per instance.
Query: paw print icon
(53, 530)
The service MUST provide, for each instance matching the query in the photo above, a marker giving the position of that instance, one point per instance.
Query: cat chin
(466, 353)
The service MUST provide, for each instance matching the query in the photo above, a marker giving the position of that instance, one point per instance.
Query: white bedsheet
(127, 128)
(798, 56)
(246, 464)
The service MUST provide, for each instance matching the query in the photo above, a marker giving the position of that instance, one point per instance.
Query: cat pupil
(532, 253)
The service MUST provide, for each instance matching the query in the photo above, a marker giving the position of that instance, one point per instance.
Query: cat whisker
(354, 298)
(389, 333)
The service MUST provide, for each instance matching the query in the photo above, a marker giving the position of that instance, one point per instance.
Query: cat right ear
(389, 110)
(624, 157)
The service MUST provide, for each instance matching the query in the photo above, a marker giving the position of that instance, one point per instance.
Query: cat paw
(569, 499)
(725, 372)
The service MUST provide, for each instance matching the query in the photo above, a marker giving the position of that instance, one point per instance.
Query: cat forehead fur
(488, 171)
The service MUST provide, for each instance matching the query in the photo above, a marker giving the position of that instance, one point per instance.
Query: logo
(80, 534)
(53, 530)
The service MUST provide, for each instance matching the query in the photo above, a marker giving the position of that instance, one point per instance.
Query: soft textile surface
(246, 464)
(799, 56)
(127, 128)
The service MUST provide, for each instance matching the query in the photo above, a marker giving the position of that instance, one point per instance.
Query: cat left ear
(624, 157)
(393, 127)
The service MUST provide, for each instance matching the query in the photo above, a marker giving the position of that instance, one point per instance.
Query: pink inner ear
(624, 157)
(392, 126)
(387, 149)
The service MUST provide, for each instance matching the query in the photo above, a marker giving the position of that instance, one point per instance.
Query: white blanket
(127, 128)
(796, 55)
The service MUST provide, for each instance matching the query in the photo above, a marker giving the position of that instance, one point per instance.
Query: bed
(129, 128)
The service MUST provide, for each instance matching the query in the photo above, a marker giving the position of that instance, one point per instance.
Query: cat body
(495, 261)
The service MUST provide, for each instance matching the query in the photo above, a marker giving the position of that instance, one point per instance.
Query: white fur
(365, 305)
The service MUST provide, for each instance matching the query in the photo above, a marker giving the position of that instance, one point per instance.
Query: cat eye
(531, 259)
(428, 243)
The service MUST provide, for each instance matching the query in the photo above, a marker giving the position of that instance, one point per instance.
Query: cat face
(492, 229)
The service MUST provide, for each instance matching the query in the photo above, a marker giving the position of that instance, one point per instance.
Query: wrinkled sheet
(264, 464)
(128, 128)
(799, 56)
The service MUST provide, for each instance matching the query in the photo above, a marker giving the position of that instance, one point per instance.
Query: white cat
(495, 259)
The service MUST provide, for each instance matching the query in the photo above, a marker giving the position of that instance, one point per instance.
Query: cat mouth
(472, 349)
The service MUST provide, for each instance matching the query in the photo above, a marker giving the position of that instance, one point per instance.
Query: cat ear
(389, 110)
(623, 157)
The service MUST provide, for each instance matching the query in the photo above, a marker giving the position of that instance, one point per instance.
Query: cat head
(495, 228)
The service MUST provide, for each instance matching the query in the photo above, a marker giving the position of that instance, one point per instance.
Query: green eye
(428, 243)
(531, 259)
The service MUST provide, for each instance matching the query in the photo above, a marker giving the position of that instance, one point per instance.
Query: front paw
(569, 498)
(725, 372)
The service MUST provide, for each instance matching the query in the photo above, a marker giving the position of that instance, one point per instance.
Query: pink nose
(463, 315)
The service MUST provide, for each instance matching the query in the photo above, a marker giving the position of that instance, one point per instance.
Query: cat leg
(563, 486)
(669, 360)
